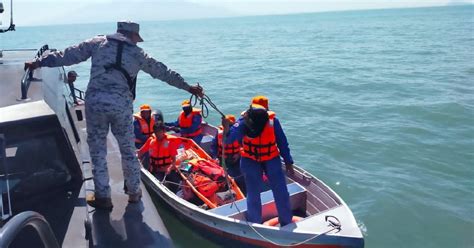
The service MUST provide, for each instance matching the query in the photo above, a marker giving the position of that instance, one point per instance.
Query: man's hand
(31, 65)
(196, 90)
(289, 169)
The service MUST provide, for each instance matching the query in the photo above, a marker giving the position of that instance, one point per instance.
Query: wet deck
(74, 223)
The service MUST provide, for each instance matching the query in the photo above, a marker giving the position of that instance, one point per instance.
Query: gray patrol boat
(45, 169)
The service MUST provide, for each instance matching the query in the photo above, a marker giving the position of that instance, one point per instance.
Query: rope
(203, 101)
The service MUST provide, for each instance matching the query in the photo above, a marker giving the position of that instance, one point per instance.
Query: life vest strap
(132, 82)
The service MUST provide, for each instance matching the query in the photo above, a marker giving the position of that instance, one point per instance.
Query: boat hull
(223, 229)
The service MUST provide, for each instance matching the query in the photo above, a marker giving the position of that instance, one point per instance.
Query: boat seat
(297, 198)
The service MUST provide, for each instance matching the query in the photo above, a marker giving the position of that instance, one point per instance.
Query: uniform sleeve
(282, 142)
(71, 55)
(145, 147)
(160, 71)
(236, 132)
(138, 132)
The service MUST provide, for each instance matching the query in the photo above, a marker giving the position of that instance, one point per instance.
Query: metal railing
(28, 76)
(79, 93)
(15, 225)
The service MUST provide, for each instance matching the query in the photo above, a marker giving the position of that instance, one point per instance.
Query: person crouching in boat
(231, 154)
(263, 142)
(189, 122)
(162, 149)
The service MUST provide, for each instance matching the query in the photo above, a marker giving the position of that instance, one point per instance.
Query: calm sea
(378, 104)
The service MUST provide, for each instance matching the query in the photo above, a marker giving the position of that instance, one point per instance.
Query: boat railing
(79, 93)
(28, 76)
(15, 225)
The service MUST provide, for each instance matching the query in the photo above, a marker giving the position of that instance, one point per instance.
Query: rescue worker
(116, 60)
(189, 122)
(263, 142)
(231, 154)
(143, 123)
(162, 149)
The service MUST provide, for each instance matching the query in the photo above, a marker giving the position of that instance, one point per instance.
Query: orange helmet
(145, 107)
(230, 118)
(186, 103)
(261, 100)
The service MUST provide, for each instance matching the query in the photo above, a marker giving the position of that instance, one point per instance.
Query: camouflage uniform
(109, 102)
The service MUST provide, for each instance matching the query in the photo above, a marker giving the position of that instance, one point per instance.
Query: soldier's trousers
(118, 117)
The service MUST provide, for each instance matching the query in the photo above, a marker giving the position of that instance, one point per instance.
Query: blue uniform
(253, 172)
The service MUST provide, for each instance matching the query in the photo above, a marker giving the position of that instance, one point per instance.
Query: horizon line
(256, 15)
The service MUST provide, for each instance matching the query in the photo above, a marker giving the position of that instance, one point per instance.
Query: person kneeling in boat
(263, 142)
(231, 154)
(162, 149)
(189, 122)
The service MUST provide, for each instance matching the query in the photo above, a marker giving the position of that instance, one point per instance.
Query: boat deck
(74, 223)
(128, 225)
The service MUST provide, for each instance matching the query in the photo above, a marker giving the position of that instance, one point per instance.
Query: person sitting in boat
(162, 149)
(189, 122)
(231, 154)
(143, 123)
(263, 142)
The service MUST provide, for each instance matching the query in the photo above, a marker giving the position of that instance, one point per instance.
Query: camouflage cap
(129, 26)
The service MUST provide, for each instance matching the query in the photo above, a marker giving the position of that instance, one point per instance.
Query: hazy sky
(36, 12)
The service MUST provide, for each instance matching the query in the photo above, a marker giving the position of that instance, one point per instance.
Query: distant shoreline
(263, 15)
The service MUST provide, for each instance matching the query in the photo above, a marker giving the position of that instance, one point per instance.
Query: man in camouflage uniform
(109, 99)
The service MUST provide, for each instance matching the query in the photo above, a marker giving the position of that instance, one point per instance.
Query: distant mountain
(49, 13)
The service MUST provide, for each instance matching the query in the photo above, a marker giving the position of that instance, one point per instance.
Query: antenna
(12, 26)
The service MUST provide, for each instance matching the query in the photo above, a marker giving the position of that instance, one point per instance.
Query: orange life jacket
(160, 157)
(145, 127)
(263, 147)
(276, 222)
(229, 149)
(187, 121)
(208, 168)
(205, 185)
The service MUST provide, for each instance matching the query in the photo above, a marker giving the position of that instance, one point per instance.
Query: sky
(50, 12)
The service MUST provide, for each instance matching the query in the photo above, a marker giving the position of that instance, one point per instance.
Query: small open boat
(326, 219)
